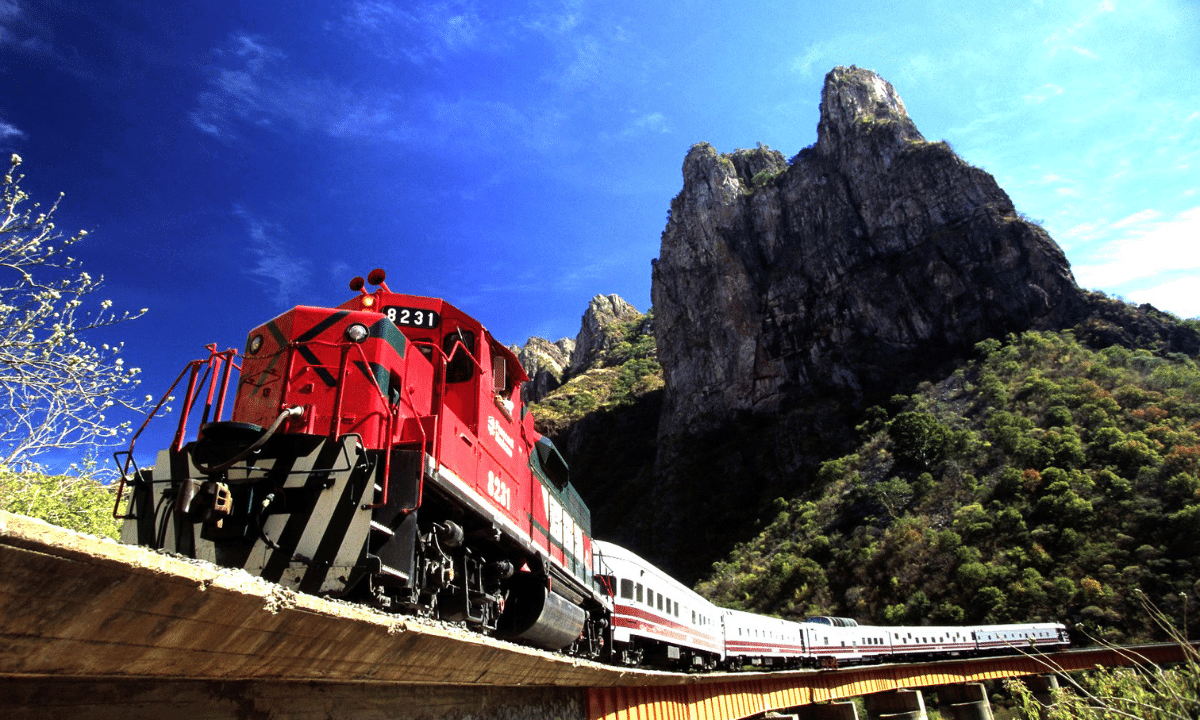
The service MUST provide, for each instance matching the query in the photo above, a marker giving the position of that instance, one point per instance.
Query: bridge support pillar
(968, 701)
(1042, 687)
(896, 705)
(836, 710)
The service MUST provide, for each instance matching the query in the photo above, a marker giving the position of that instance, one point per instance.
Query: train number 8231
(412, 317)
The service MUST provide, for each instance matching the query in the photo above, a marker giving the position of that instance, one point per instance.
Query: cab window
(459, 346)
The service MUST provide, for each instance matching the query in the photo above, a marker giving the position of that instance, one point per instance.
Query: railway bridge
(91, 628)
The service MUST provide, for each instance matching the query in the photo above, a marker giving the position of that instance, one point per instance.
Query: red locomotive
(380, 451)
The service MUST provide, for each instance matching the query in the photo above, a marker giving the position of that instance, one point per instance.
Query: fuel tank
(537, 616)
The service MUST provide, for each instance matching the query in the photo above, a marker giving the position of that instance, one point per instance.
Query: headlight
(356, 333)
(254, 345)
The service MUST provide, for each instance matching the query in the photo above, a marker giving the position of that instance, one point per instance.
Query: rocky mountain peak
(855, 102)
(545, 363)
(596, 334)
(860, 265)
(549, 365)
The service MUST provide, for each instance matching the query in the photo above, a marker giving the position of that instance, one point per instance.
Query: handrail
(225, 357)
(203, 378)
(391, 424)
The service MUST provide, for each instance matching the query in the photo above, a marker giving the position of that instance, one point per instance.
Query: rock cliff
(869, 260)
(603, 412)
(545, 363)
(791, 295)
(550, 364)
(597, 333)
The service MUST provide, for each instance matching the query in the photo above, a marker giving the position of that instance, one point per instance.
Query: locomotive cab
(380, 451)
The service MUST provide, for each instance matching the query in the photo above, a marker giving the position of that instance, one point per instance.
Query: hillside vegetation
(76, 502)
(1041, 481)
(623, 373)
(605, 420)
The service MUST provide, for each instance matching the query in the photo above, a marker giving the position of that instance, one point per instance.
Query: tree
(918, 439)
(78, 503)
(57, 390)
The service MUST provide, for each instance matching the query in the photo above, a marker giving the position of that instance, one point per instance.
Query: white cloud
(10, 15)
(1084, 232)
(1084, 52)
(1136, 219)
(585, 68)
(417, 32)
(1149, 248)
(275, 265)
(651, 123)
(1043, 93)
(1063, 39)
(820, 57)
(251, 84)
(1180, 296)
(8, 130)
(33, 35)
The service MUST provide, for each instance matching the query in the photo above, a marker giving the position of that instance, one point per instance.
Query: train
(380, 452)
(658, 621)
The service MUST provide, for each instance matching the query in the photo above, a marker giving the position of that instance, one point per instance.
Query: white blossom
(55, 387)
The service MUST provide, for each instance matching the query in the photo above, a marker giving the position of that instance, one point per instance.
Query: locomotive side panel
(504, 476)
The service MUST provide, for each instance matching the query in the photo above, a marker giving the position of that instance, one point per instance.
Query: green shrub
(77, 503)
(1142, 690)
(918, 438)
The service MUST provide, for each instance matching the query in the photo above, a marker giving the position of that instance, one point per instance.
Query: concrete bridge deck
(90, 627)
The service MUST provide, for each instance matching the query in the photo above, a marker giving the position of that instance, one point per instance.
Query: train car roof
(607, 550)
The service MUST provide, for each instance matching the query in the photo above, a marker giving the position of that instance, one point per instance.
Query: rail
(212, 365)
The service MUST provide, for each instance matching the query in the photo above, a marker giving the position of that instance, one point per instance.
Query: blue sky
(231, 159)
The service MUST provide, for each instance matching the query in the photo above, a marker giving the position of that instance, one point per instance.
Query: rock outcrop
(545, 363)
(549, 365)
(596, 330)
(789, 297)
(870, 259)
(604, 413)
